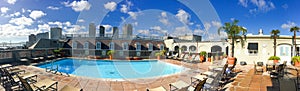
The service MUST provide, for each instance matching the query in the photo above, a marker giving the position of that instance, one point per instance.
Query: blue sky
(19, 18)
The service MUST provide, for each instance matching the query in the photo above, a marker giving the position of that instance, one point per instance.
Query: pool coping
(184, 70)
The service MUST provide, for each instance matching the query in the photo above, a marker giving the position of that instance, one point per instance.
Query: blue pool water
(114, 69)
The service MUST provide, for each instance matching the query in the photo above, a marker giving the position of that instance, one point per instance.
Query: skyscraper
(92, 30)
(127, 30)
(101, 31)
(32, 39)
(55, 33)
(115, 32)
(42, 36)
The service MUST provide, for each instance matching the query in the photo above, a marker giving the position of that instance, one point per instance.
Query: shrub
(274, 58)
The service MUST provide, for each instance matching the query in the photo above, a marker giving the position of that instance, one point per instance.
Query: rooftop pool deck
(245, 79)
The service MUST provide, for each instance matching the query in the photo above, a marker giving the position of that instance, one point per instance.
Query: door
(284, 52)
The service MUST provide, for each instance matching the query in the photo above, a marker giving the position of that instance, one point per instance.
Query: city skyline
(20, 18)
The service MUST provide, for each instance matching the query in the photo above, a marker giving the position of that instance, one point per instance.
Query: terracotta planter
(230, 60)
(209, 59)
(202, 59)
(296, 63)
(97, 57)
(136, 58)
(158, 57)
(128, 58)
(110, 57)
(275, 61)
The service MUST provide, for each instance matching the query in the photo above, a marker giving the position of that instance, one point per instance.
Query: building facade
(56, 33)
(92, 30)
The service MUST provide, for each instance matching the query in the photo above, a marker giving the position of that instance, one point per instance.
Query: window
(86, 45)
(112, 46)
(125, 46)
(138, 46)
(161, 47)
(150, 47)
(183, 48)
(252, 48)
(74, 45)
(192, 48)
(98, 45)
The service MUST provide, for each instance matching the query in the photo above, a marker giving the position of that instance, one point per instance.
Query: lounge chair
(199, 86)
(181, 56)
(69, 88)
(157, 89)
(258, 68)
(198, 77)
(13, 81)
(197, 59)
(178, 85)
(189, 58)
(185, 58)
(46, 84)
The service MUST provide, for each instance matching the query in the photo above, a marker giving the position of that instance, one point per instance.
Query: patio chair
(160, 88)
(197, 58)
(258, 68)
(70, 88)
(46, 84)
(279, 72)
(191, 59)
(182, 57)
(231, 67)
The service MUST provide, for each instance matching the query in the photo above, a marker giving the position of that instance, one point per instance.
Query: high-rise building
(55, 33)
(115, 32)
(101, 31)
(127, 30)
(92, 30)
(42, 36)
(32, 39)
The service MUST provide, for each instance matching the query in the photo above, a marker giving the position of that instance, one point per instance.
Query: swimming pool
(114, 69)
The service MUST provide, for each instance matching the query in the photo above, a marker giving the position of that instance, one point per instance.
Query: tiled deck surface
(246, 80)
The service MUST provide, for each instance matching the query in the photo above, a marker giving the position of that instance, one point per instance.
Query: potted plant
(203, 56)
(57, 52)
(231, 60)
(110, 53)
(160, 53)
(275, 59)
(296, 60)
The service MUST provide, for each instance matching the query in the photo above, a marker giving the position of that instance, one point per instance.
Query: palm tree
(233, 31)
(274, 34)
(294, 29)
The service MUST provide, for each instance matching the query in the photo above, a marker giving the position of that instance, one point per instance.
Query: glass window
(183, 48)
(112, 46)
(86, 45)
(192, 48)
(252, 48)
(161, 47)
(98, 45)
(125, 46)
(150, 47)
(74, 45)
(138, 46)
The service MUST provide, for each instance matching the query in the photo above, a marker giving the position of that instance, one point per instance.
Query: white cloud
(156, 28)
(259, 5)
(53, 8)
(78, 5)
(21, 21)
(163, 18)
(207, 25)
(243, 3)
(11, 1)
(183, 16)
(4, 9)
(216, 24)
(285, 6)
(144, 32)
(111, 6)
(107, 27)
(182, 31)
(133, 15)
(288, 25)
(80, 20)
(124, 9)
(37, 14)
(17, 14)
(44, 27)
(198, 32)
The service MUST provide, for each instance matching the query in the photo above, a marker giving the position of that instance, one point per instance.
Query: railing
(120, 36)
